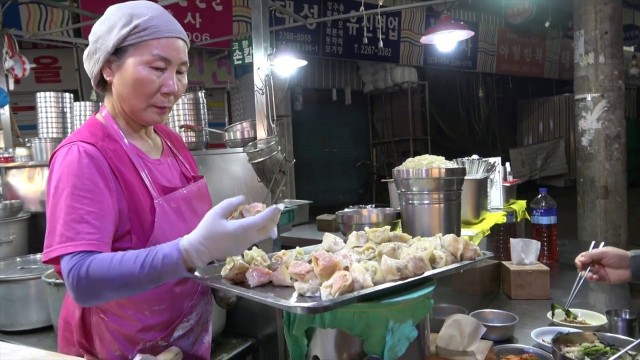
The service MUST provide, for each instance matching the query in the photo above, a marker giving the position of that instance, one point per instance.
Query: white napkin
(524, 251)
(460, 338)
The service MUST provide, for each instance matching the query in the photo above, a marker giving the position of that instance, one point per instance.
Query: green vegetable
(567, 313)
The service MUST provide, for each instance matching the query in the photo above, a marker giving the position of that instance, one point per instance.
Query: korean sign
(202, 19)
(519, 55)
(305, 39)
(52, 71)
(343, 38)
(465, 54)
(242, 51)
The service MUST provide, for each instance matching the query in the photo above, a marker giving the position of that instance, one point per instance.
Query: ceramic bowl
(595, 319)
(543, 335)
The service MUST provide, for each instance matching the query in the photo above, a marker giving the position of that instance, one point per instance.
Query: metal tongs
(580, 279)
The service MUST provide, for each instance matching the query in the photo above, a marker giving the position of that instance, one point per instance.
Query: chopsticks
(619, 354)
(580, 278)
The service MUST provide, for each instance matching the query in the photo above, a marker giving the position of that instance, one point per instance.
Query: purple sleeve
(93, 278)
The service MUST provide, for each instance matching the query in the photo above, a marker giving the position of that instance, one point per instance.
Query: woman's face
(148, 80)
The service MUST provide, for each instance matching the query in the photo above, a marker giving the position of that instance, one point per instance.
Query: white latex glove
(216, 237)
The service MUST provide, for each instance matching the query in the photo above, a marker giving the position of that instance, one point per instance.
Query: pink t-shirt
(86, 207)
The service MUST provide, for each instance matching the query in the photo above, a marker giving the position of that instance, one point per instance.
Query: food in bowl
(594, 350)
(427, 161)
(520, 352)
(544, 335)
(585, 320)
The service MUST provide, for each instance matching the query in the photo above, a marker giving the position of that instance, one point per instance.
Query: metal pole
(601, 141)
(260, 38)
(50, 37)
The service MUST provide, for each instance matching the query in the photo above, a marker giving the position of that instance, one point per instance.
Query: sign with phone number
(203, 20)
(344, 38)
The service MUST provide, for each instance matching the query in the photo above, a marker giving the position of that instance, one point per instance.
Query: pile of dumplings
(368, 258)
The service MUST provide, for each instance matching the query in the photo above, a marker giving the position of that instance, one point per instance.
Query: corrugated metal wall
(323, 73)
(549, 118)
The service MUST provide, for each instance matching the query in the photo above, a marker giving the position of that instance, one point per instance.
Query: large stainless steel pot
(14, 236)
(23, 296)
(56, 290)
(42, 148)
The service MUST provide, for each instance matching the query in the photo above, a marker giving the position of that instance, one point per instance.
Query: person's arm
(93, 278)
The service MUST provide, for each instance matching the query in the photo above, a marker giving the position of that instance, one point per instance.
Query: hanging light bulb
(446, 33)
(285, 62)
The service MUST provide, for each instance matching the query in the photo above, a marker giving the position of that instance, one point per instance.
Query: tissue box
(479, 279)
(525, 282)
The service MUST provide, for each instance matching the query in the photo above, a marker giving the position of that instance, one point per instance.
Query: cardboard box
(525, 282)
(478, 279)
(327, 223)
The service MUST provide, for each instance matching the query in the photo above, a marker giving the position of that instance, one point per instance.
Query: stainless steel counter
(484, 292)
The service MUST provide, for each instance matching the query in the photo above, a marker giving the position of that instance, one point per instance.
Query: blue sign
(305, 39)
(345, 38)
(464, 56)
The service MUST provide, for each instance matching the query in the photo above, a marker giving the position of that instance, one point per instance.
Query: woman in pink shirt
(128, 215)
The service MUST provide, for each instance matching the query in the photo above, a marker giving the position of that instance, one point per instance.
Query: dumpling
(285, 257)
(453, 244)
(310, 289)
(245, 211)
(373, 268)
(257, 275)
(367, 252)
(361, 277)
(397, 236)
(390, 249)
(417, 264)
(300, 270)
(256, 257)
(441, 258)
(281, 276)
(357, 239)
(235, 269)
(394, 269)
(331, 243)
(470, 251)
(340, 283)
(379, 235)
(324, 264)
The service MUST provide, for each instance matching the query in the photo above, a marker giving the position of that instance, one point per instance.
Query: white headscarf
(125, 24)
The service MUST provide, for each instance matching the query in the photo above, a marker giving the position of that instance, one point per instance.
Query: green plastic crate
(287, 216)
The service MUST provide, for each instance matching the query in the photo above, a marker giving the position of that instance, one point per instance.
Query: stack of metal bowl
(54, 111)
(430, 199)
(267, 160)
(82, 110)
(357, 219)
(191, 110)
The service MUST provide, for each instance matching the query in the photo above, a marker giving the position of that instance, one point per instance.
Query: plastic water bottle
(544, 226)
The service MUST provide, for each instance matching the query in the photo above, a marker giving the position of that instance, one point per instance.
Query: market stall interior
(372, 138)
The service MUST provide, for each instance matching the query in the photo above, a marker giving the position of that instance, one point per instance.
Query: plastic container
(500, 236)
(544, 226)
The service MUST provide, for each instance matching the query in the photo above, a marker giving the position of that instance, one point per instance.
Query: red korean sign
(203, 20)
(520, 55)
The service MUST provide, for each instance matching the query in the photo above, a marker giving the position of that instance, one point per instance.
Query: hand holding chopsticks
(580, 279)
(609, 264)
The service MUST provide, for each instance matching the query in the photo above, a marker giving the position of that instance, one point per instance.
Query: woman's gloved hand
(216, 237)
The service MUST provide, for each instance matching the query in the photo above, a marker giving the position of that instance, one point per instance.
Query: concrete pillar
(601, 150)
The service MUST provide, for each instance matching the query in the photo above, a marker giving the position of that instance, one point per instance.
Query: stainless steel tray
(285, 298)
